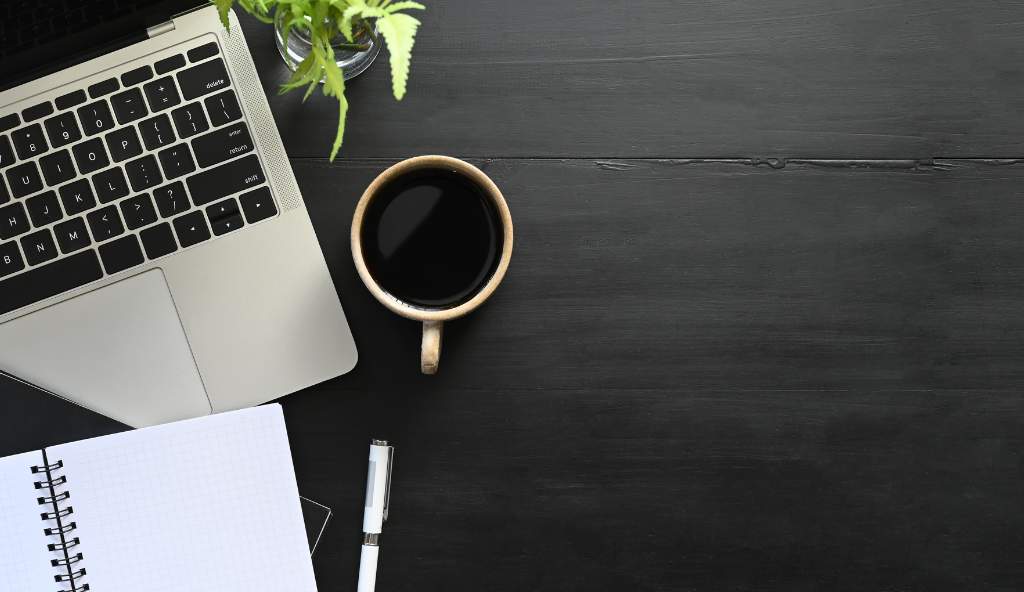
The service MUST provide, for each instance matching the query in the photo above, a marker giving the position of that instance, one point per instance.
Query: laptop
(157, 261)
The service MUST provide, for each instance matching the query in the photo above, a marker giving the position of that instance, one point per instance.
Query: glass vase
(298, 46)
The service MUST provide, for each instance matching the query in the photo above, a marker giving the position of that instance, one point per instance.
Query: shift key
(227, 179)
(222, 144)
(203, 79)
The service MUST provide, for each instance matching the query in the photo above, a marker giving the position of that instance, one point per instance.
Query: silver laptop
(156, 259)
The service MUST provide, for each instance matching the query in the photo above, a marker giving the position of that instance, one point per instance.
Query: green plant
(324, 20)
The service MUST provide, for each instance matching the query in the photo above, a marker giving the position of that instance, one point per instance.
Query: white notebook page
(207, 504)
(24, 559)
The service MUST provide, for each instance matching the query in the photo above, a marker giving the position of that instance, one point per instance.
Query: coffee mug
(432, 239)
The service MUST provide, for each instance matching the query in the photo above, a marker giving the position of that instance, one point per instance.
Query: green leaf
(316, 74)
(302, 76)
(259, 9)
(340, 134)
(346, 18)
(334, 86)
(223, 6)
(405, 5)
(399, 30)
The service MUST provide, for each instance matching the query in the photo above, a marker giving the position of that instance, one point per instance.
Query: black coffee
(432, 238)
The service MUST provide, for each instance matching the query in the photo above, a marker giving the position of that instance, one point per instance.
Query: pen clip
(387, 482)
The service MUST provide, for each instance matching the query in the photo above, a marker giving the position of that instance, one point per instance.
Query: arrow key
(226, 225)
(258, 205)
(224, 216)
(191, 228)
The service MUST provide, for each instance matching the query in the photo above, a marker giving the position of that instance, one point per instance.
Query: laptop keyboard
(123, 171)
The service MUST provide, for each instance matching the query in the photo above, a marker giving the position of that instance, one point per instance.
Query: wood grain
(671, 78)
(698, 376)
(734, 275)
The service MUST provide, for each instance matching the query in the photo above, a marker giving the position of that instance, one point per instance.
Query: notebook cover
(32, 418)
(316, 516)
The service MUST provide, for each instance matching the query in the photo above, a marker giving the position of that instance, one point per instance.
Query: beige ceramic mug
(432, 317)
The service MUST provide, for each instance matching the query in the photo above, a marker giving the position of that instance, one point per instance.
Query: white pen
(378, 496)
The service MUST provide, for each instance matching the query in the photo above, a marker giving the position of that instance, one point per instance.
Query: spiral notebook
(199, 505)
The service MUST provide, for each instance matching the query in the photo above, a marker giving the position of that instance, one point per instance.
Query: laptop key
(223, 108)
(29, 141)
(10, 260)
(136, 76)
(24, 180)
(13, 221)
(257, 205)
(177, 161)
(37, 111)
(43, 208)
(202, 52)
(171, 199)
(220, 145)
(6, 152)
(72, 235)
(96, 118)
(157, 132)
(189, 120)
(39, 247)
(191, 229)
(158, 240)
(203, 79)
(224, 217)
(128, 106)
(5, 196)
(90, 156)
(70, 100)
(161, 94)
(138, 211)
(169, 64)
(226, 179)
(104, 87)
(77, 197)
(110, 185)
(62, 130)
(49, 280)
(143, 173)
(57, 167)
(10, 121)
(105, 223)
(123, 143)
(121, 254)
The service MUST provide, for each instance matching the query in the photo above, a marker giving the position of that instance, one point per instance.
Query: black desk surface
(763, 327)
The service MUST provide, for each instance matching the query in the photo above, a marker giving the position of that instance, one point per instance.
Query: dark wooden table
(763, 327)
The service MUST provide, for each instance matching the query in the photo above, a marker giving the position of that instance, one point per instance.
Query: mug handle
(430, 350)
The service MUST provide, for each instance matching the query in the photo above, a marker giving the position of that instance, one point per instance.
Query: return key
(220, 145)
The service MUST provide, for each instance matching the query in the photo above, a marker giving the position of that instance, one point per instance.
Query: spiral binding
(57, 512)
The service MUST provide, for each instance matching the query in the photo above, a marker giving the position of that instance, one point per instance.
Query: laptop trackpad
(119, 351)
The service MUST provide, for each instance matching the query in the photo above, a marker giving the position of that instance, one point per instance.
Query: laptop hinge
(164, 27)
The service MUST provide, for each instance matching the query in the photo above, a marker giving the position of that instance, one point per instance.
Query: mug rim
(392, 302)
